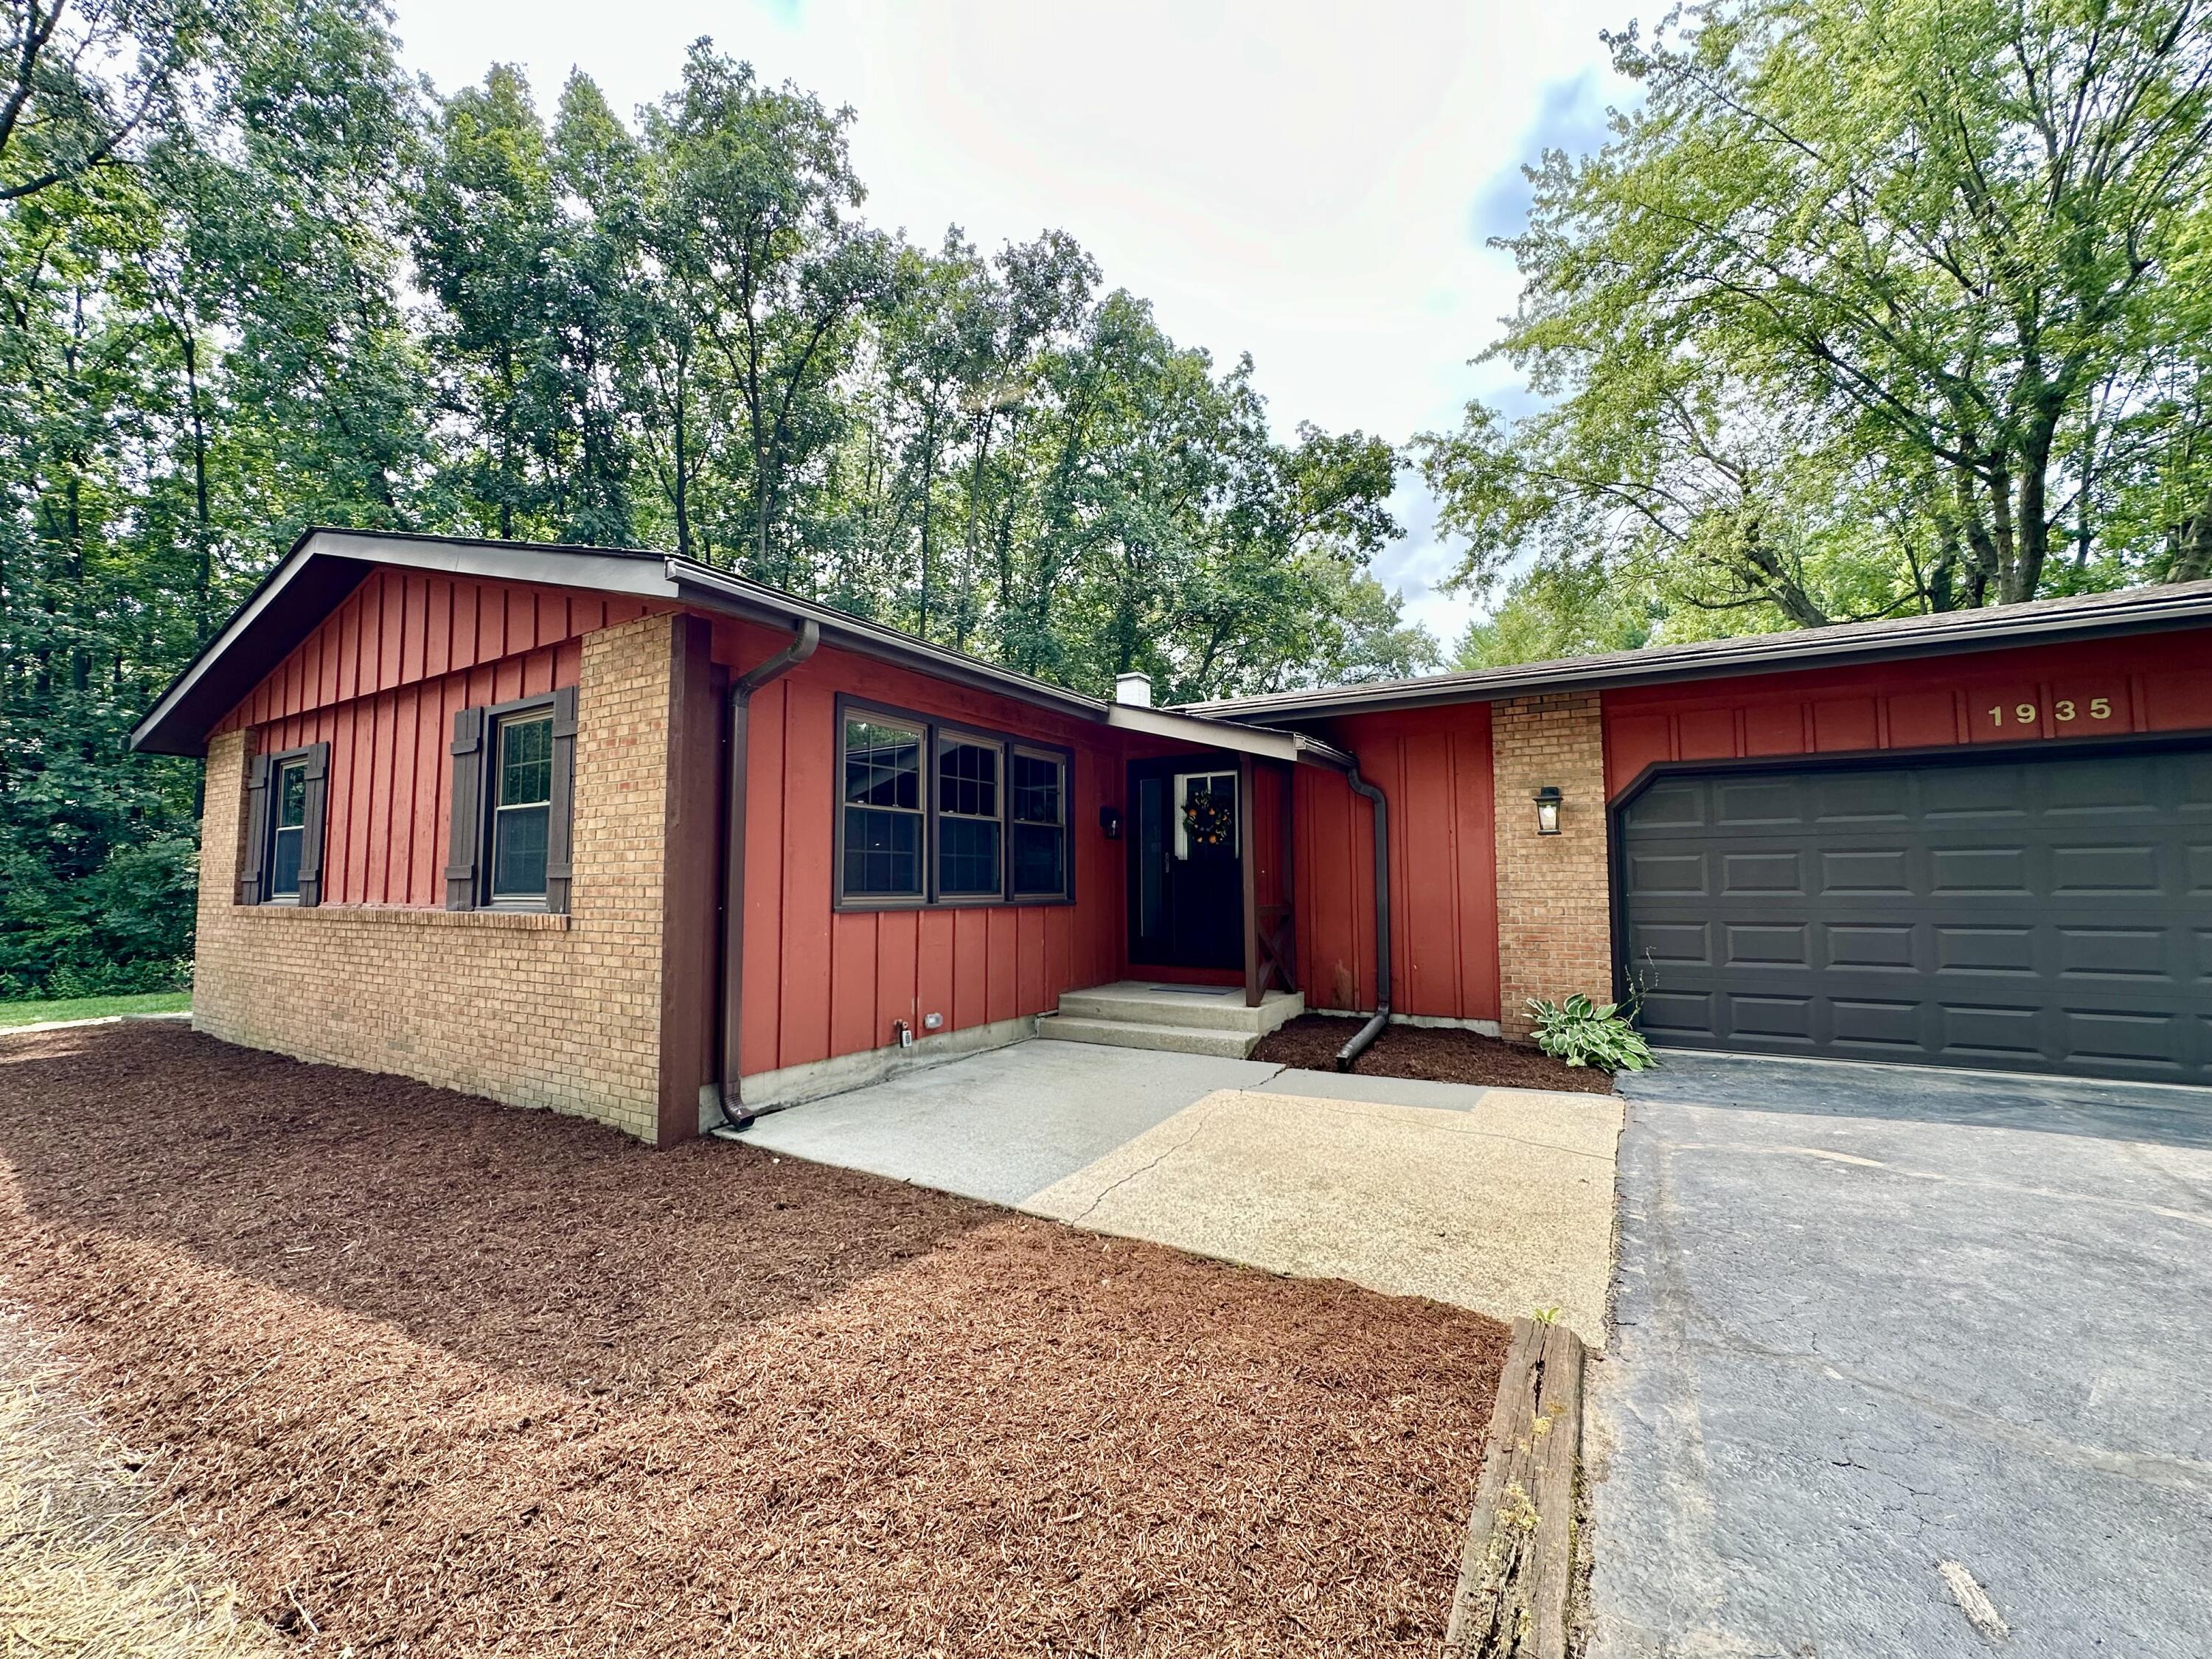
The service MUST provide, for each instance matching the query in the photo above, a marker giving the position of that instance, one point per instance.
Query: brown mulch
(1434, 1054)
(427, 1374)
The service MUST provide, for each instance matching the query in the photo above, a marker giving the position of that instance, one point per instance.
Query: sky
(1315, 184)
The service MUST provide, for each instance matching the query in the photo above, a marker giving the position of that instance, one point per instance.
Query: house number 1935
(2025, 713)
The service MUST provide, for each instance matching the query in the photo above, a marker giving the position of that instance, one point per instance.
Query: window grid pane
(883, 854)
(289, 837)
(522, 816)
(968, 857)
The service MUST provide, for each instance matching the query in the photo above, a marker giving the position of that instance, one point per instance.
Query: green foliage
(1868, 307)
(253, 277)
(1583, 1033)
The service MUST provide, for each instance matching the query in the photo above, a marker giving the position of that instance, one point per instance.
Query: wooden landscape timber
(1515, 1573)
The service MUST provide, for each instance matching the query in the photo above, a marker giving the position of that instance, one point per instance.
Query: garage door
(2044, 914)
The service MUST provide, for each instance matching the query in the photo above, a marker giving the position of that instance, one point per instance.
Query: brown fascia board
(327, 564)
(2104, 616)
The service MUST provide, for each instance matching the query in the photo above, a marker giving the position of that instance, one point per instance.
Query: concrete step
(1171, 1039)
(1134, 1002)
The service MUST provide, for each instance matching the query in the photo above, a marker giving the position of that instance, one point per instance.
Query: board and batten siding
(2154, 684)
(1433, 765)
(819, 982)
(380, 679)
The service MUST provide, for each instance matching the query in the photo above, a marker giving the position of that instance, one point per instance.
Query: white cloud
(1308, 182)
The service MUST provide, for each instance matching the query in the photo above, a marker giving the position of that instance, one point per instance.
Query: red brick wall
(1555, 904)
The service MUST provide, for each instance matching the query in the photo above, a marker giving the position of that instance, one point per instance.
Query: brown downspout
(733, 860)
(1373, 1028)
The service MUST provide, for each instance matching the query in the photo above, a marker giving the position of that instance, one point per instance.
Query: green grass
(35, 1013)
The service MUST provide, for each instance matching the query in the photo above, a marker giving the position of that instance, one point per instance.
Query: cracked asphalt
(1905, 1363)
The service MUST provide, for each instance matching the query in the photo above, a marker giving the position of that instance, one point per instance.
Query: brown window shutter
(461, 850)
(310, 833)
(256, 848)
(560, 862)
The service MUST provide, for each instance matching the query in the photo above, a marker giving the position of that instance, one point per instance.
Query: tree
(1870, 306)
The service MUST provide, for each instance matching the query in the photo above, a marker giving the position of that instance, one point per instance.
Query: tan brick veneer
(561, 1012)
(1554, 903)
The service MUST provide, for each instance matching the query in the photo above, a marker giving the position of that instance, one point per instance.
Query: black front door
(1186, 882)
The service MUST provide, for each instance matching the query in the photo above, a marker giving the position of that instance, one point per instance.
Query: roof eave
(1755, 656)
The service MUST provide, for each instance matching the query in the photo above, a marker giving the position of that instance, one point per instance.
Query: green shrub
(1583, 1033)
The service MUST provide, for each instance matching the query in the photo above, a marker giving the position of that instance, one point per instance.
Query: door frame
(1208, 763)
(1857, 760)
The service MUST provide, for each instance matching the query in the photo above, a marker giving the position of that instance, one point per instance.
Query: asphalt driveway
(1496, 1199)
(1906, 1363)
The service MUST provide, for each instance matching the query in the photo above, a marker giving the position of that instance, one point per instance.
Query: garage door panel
(1765, 873)
(1865, 870)
(2113, 953)
(1775, 1019)
(1667, 873)
(1869, 945)
(2105, 869)
(1768, 944)
(1953, 794)
(1988, 1031)
(2048, 913)
(1978, 870)
(1983, 949)
(1891, 1025)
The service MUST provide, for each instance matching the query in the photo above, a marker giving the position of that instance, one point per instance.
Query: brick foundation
(1554, 906)
(534, 1010)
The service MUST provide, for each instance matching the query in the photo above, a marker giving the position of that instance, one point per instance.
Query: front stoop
(1184, 1019)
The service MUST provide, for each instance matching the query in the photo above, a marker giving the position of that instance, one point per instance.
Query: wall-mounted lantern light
(1109, 822)
(1547, 810)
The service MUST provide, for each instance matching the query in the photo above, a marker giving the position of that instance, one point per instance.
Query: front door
(1186, 881)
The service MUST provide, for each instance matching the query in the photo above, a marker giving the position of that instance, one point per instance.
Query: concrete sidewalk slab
(1003, 1124)
(1502, 1206)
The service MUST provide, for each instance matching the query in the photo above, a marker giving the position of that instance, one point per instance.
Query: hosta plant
(1586, 1033)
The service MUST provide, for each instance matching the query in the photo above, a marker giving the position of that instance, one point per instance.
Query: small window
(281, 853)
(522, 808)
(968, 822)
(882, 806)
(1039, 787)
(287, 836)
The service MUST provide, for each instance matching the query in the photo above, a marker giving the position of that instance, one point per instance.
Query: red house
(622, 835)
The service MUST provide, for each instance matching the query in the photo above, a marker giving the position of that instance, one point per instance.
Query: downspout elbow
(1367, 1033)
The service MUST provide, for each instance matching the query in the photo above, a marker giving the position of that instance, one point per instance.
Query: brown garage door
(2051, 913)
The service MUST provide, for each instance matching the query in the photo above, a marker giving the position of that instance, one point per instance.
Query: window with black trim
(286, 795)
(287, 833)
(931, 813)
(514, 783)
(521, 807)
(1038, 797)
(969, 843)
(882, 808)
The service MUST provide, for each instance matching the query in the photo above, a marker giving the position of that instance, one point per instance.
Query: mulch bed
(1434, 1054)
(428, 1375)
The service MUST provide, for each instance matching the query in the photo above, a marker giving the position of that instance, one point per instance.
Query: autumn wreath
(1208, 820)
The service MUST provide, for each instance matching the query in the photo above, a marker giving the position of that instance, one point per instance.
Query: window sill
(406, 915)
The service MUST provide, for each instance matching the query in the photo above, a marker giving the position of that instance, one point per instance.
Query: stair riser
(1227, 1014)
(1168, 1039)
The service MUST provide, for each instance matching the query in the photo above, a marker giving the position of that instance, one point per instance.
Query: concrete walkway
(1906, 1362)
(1498, 1199)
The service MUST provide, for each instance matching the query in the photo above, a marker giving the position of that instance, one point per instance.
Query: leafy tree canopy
(1868, 307)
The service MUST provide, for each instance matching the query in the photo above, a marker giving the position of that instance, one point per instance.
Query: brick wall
(1554, 912)
(535, 1010)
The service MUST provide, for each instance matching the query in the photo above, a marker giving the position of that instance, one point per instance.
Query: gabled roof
(2098, 616)
(326, 564)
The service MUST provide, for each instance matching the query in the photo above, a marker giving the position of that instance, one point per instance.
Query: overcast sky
(1310, 183)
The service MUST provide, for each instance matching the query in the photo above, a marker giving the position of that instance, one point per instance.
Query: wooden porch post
(1248, 844)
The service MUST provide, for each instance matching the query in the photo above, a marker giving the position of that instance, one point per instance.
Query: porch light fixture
(1547, 810)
